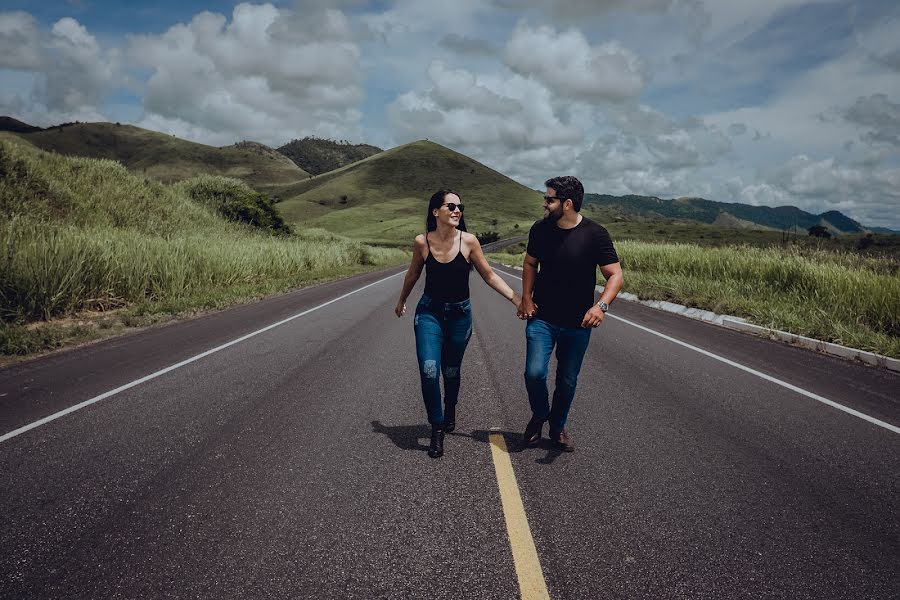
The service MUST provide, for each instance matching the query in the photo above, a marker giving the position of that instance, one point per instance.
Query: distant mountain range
(729, 214)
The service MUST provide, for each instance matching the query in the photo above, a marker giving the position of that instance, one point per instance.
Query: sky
(770, 102)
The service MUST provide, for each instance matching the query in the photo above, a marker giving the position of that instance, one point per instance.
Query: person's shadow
(405, 437)
(514, 443)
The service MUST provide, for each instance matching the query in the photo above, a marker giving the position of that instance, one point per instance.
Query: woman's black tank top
(447, 282)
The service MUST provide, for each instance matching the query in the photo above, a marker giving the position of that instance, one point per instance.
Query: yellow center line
(528, 568)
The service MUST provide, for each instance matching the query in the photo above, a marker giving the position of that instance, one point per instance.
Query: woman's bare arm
(476, 257)
(412, 274)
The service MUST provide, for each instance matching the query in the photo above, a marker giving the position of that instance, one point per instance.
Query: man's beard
(553, 215)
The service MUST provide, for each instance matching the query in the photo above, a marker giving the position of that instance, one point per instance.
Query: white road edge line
(774, 380)
(137, 382)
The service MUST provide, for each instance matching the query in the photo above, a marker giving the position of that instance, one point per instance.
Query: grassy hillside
(165, 157)
(383, 198)
(317, 156)
(90, 248)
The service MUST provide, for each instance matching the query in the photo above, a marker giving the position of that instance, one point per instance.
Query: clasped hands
(526, 308)
(592, 318)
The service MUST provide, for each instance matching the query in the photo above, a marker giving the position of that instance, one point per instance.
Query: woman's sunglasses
(451, 206)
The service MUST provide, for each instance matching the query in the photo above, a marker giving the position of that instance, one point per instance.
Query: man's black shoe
(449, 418)
(532, 433)
(436, 448)
(562, 441)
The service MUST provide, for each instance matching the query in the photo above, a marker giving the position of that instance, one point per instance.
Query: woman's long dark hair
(437, 199)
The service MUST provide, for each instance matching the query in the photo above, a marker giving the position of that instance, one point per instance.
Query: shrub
(236, 201)
(819, 232)
(487, 237)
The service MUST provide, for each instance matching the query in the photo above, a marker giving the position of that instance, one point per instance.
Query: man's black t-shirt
(567, 270)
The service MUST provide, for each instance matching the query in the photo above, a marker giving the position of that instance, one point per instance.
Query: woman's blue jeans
(442, 330)
(571, 344)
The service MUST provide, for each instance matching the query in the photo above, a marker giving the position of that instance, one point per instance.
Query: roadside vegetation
(842, 297)
(90, 249)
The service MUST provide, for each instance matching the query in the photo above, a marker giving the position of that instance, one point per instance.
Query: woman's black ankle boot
(449, 418)
(436, 448)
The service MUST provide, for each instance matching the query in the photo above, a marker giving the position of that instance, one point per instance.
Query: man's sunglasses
(551, 199)
(451, 206)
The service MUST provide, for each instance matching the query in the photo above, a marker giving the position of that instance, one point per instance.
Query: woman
(443, 322)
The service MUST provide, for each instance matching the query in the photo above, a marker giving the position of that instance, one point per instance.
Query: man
(558, 302)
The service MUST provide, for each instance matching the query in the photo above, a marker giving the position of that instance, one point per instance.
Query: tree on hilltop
(819, 232)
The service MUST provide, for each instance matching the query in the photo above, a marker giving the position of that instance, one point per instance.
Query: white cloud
(879, 117)
(463, 44)
(69, 72)
(508, 122)
(732, 21)
(653, 126)
(20, 44)
(882, 42)
(268, 75)
(406, 19)
(567, 10)
(568, 64)
(868, 193)
(82, 72)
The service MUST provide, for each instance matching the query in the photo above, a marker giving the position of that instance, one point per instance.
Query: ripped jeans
(442, 330)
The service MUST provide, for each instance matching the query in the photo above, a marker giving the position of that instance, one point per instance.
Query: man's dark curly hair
(567, 187)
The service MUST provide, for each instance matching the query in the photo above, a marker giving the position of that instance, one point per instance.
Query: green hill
(166, 157)
(316, 155)
(726, 214)
(383, 198)
(16, 126)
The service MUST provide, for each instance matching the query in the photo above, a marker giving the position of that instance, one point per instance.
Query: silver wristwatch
(603, 305)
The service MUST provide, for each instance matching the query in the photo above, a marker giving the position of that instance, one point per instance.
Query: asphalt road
(292, 464)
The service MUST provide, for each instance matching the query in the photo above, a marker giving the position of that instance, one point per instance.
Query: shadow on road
(405, 437)
(514, 443)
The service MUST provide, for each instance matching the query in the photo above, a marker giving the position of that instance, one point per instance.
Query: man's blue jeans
(442, 330)
(571, 344)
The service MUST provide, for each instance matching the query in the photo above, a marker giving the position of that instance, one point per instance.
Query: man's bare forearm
(612, 288)
(614, 282)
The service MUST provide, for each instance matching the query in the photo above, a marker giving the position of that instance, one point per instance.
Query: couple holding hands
(557, 300)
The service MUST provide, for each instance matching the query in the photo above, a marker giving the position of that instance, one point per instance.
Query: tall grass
(84, 234)
(838, 297)
(56, 270)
